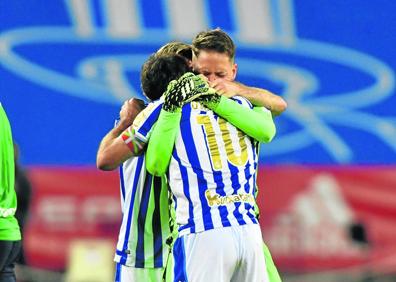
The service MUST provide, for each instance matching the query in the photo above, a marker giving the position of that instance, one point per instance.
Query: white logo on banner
(317, 223)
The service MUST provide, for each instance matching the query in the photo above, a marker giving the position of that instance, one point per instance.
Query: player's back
(212, 171)
(145, 223)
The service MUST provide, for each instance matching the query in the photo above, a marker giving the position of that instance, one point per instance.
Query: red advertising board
(312, 218)
(321, 218)
(68, 204)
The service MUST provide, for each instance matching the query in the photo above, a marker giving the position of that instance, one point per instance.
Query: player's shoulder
(242, 101)
(151, 109)
(151, 106)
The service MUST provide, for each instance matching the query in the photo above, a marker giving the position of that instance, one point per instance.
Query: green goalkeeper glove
(210, 101)
(186, 89)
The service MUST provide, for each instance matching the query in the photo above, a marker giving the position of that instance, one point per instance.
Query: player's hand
(209, 101)
(186, 89)
(225, 87)
(129, 110)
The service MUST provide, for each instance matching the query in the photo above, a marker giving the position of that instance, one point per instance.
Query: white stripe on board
(80, 13)
(186, 18)
(254, 20)
(122, 18)
(286, 20)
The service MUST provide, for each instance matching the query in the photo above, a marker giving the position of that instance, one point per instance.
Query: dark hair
(158, 71)
(214, 40)
(175, 47)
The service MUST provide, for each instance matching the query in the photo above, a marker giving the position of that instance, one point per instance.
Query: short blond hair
(214, 40)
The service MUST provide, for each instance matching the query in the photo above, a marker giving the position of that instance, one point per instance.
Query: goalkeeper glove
(210, 101)
(186, 89)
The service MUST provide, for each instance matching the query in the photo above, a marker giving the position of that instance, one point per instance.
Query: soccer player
(214, 56)
(142, 249)
(154, 74)
(10, 235)
(108, 160)
(225, 183)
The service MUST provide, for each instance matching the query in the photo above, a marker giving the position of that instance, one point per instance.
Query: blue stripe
(250, 185)
(118, 273)
(220, 17)
(192, 155)
(98, 11)
(237, 100)
(122, 184)
(153, 13)
(255, 191)
(238, 215)
(179, 255)
(174, 200)
(236, 185)
(255, 154)
(129, 220)
(255, 188)
(120, 253)
(185, 226)
(250, 212)
(242, 101)
(248, 176)
(152, 118)
(218, 179)
(141, 221)
(156, 224)
(183, 171)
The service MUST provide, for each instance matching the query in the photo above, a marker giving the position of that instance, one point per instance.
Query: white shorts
(226, 254)
(134, 274)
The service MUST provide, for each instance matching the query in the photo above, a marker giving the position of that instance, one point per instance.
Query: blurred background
(327, 182)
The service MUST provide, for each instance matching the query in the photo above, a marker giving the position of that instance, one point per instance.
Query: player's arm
(162, 138)
(256, 122)
(121, 144)
(257, 96)
(162, 141)
(113, 150)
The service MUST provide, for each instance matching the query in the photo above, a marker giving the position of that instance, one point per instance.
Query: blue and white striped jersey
(212, 173)
(145, 221)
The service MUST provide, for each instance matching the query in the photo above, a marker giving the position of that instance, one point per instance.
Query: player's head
(214, 54)
(176, 47)
(158, 71)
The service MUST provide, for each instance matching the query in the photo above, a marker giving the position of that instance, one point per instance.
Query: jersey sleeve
(256, 122)
(137, 135)
(242, 101)
(145, 121)
(160, 146)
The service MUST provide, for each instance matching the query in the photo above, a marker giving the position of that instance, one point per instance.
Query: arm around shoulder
(112, 152)
(264, 98)
(266, 124)
(112, 149)
(256, 123)
(117, 147)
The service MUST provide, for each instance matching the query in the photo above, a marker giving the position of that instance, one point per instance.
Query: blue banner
(67, 66)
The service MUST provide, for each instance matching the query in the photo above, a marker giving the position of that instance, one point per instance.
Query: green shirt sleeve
(9, 228)
(256, 122)
(162, 141)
